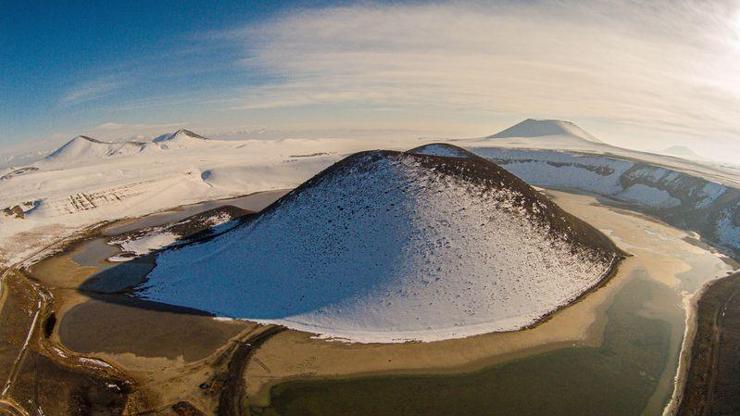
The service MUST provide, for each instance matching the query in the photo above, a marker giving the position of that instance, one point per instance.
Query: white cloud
(89, 90)
(671, 68)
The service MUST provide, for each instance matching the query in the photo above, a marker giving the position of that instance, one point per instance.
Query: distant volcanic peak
(84, 148)
(403, 245)
(182, 133)
(87, 138)
(681, 151)
(76, 145)
(442, 149)
(538, 128)
(190, 134)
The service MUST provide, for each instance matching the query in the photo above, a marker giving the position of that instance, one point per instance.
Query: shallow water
(617, 378)
(94, 253)
(93, 322)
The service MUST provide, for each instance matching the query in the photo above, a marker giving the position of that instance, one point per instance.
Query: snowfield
(390, 247)
(397, 247)
(88, 181)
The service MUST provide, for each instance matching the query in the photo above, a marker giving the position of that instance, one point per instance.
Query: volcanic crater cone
(389, 246)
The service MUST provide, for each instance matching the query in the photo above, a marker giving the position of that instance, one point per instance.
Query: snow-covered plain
(390, 247)
(89, 181)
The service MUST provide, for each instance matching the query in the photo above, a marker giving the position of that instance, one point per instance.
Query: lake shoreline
(709, 385)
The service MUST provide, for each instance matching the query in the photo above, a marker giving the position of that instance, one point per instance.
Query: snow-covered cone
(389, 246)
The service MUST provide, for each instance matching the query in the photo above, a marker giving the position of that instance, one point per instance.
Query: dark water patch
(94, 253)
(144, 330)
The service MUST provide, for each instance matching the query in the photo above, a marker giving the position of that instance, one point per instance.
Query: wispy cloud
(90, 90)
(113, 126)
(658, 66)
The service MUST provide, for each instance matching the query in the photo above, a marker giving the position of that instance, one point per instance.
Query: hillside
(84, 149)
(179, 139)
(541, 128)
(387, 246)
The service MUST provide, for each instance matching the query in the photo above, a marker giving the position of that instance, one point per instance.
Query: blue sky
(639, 74)
(65, 63)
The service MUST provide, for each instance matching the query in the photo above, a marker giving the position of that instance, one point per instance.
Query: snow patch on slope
(681, 151)
(141, 242)
(441, 149)
(144, 244)
(728, 228)
(679, 198)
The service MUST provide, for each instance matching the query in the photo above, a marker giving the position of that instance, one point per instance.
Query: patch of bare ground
(713, 381)
(37, 375)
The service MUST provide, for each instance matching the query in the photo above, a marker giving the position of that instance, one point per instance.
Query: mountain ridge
(84, 148)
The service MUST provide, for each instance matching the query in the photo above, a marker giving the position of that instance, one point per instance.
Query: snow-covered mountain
(547, 131)
(180, 135)
(388, 246)
(84, 149)
(682, 152)
(179, 140)
(558, 135)
(9, 161)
